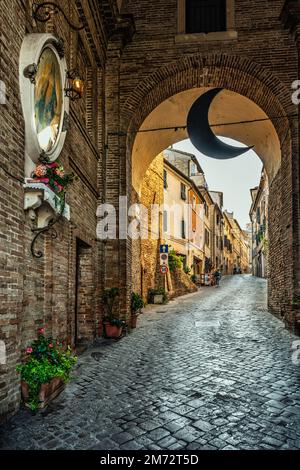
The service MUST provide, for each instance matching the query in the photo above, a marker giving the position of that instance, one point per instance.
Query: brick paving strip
(211, 370)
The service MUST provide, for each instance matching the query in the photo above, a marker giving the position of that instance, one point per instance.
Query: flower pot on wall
(134, 320)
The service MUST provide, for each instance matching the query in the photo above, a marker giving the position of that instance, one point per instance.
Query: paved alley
(212, 370)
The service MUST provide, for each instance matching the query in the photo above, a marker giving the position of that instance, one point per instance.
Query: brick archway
(235, 73)
(258, 84)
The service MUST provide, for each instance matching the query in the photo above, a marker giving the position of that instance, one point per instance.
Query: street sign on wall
(164, 248)
(164, 259)
(164, 269)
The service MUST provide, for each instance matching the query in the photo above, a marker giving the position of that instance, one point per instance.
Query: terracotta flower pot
(112, 331)
(24, 390)
(133, 320)
(47, 392)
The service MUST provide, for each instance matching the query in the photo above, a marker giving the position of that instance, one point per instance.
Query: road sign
(164, 248)
(164, 259)
(164, 269)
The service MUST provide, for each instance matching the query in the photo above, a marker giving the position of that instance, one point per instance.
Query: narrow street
(212, 370)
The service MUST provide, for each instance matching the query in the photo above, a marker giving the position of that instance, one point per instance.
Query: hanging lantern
(75, 85)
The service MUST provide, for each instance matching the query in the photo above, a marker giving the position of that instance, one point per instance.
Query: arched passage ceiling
(227, 107)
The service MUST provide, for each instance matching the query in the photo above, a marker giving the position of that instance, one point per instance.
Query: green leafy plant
(194, 278)
(159, 291)
(109, 298)
(46, 359)
(175, 261)
(136, 302)
(296, 301)
(187, 270)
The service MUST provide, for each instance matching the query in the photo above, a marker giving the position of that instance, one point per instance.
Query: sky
(233, 177)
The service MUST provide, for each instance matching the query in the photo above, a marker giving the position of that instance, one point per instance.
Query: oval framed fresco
(48, 100)
(45, 106)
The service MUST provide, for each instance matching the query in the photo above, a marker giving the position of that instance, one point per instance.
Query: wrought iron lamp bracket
(42, 12)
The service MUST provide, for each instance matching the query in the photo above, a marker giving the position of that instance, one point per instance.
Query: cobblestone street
(212, 370)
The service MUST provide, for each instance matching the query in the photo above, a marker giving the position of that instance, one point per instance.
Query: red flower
(50, 345)
(29, 350)
(53, 165)
(41, 331)
(58, 186)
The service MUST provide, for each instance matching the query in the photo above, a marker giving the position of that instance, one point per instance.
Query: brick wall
(37, 292)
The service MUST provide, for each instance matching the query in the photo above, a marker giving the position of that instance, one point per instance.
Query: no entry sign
(164, 269)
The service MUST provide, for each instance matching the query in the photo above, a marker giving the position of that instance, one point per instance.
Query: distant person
(217, 277)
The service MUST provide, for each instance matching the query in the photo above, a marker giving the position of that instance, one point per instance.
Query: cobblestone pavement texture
(211, 370)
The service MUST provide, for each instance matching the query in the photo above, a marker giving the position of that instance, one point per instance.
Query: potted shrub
(113, 326)
(137, 304)
(45, 371)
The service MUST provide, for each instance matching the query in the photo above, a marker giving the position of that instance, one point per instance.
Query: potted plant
(46, 370)
(113, 326)
(157, 296)
(137, 304)
(53, 175)
(296, 301)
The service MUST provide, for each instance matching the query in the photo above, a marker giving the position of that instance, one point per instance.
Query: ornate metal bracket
(42, 12)
(48, 228)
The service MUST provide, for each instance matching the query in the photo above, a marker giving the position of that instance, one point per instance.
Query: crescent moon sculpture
(200, 133)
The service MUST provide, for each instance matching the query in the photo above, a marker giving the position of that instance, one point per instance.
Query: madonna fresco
(48, 100)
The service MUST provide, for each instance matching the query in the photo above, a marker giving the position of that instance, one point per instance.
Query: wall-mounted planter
(42, 203)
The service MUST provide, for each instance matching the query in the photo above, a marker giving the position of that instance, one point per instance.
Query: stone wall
(152, 192)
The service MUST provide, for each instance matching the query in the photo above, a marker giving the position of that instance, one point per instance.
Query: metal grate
(205, 16)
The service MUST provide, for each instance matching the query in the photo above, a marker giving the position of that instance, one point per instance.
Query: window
(206, 237)
(226, 241)
(193, 169)
(205, 16)
(183, 191)
(218, 219)
(165, 221)
(258, 215)
(206, 209)
(183, 229)
(165, 179)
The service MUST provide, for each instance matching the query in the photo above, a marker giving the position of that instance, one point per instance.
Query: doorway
(84, 321)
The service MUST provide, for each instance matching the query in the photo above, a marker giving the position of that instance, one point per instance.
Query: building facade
(259, 220)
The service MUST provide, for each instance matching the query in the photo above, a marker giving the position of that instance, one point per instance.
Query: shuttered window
(205, 16)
